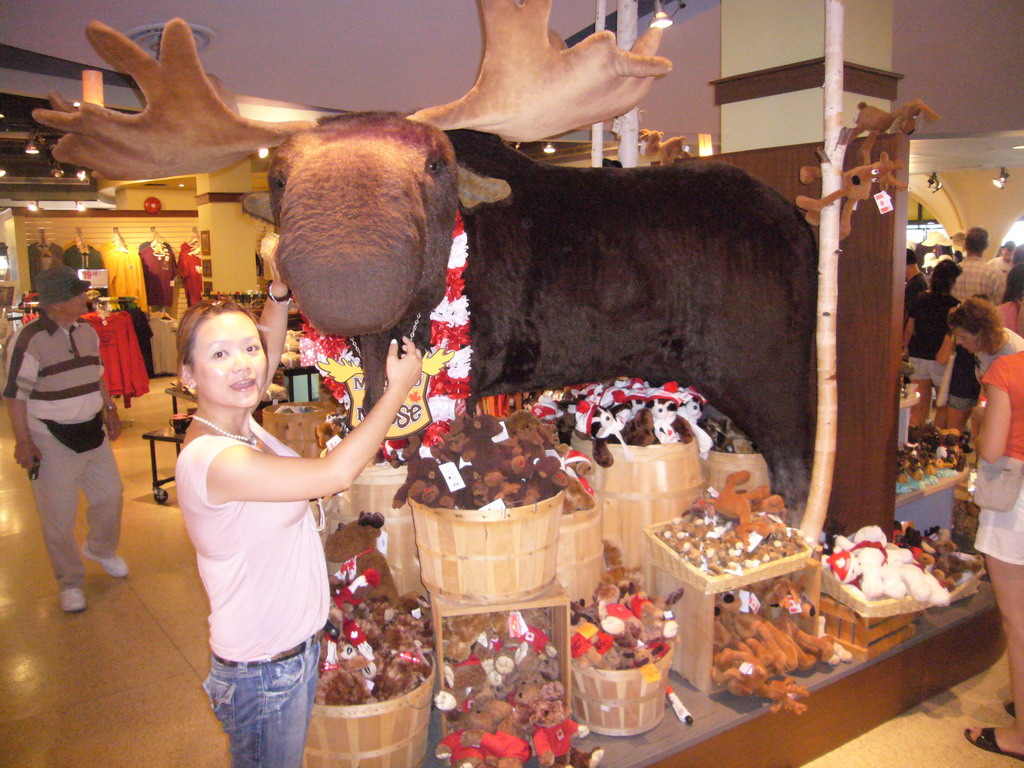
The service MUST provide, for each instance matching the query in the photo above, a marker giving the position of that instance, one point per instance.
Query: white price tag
(425, 452)
(501, 436)
(884, 202)
(746, 668)
(382, 542)
(753, 540)
(464, 463)
(497, 504)
(749, 602)
(712, 492)
(451, 475)
(333, 442)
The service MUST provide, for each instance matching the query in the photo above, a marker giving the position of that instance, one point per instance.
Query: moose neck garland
(441, 393)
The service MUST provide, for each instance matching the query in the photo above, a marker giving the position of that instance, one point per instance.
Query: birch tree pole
(828, 276)
(629, 126)
(597, 129)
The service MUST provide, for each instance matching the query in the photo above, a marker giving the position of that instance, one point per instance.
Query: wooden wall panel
(870, 337)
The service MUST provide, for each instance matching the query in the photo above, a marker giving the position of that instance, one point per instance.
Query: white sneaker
(72, 600)
(114, 565)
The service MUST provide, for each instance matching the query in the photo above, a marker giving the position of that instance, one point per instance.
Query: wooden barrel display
(373, 491)
(620, 702)
(488, 556)
(580, 553)
(653, 485)
(294, 424)
(384, 734)
(719, 465)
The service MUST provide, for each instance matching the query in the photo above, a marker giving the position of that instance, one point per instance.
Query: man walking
(979, 278)
(62, 416)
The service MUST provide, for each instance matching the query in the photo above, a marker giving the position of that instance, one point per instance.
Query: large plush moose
(695, 273)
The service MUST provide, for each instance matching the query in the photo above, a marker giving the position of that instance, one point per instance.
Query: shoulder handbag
(998, 483)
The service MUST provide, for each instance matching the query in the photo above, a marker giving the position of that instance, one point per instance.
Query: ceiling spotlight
(262, 152)
(661, 19)
(83, 174)
(31, 148)
(933, 182)
(549, 148)
(33, 207)
(3, 172)
(1003, 176)
(57, 172)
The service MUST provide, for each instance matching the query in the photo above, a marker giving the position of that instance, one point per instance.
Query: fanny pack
(80, 436)
(998, 483)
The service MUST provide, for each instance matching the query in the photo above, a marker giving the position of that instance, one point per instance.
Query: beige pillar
(773, 69)
(232, 232)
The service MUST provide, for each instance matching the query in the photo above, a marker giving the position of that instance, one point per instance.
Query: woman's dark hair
(193, 320)
(944, 275)
(1014, 284)
(980, 317)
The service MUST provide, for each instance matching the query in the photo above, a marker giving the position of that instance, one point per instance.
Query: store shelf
(929, 490)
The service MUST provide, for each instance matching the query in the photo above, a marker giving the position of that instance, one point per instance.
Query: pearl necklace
(250, 440)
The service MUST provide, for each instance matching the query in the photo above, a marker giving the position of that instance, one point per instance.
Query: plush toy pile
(873, 569)
(940, 556)
(629, 412)
(486, 463)
(381, 643)
(502, 692)
(758, 641)
(735, 532)
(622, 628)
(928, 456)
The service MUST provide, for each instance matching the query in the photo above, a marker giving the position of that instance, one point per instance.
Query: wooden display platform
(844, 703)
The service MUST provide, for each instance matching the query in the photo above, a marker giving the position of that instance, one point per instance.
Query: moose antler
(530, 89)
(186, 127)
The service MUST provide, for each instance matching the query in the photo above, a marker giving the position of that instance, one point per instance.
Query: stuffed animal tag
(517, 626)
(333, 443)
(382, 542)
(791, 604)
(496, 505)
(883, 201)
(650, 673)
(749, 602)
(753, 539)
(501, 436)
(746, 668)
(451, 476)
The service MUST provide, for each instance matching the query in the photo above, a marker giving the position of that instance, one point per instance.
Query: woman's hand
(268, 252)
(404, 372)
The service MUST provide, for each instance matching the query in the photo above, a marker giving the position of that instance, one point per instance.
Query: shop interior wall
(870, 318)
(97, 227)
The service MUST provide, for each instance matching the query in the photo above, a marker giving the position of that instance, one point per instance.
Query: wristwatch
(110, 407)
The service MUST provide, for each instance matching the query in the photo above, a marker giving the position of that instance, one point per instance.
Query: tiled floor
(118, 686)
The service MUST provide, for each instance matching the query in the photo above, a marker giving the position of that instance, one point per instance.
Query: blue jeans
(265, 708)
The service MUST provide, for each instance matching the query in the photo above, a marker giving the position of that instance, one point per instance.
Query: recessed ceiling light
(148, 36)
(181, 185)
(1019, 146)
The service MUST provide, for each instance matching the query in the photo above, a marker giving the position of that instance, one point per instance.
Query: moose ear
(475, 189)
(258, 204)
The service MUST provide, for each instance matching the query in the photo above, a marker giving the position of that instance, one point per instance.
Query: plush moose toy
(855, 188)
(667, 152)
(876, 121)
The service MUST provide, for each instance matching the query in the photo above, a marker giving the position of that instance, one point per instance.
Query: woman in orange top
(1001, 538)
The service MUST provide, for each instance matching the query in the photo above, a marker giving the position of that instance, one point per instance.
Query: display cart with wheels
(165, 435)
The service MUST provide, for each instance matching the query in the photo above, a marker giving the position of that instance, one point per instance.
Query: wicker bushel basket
(656, 483)
(485, 557)
(385, 734)
(580, 553)
(719, 465)
(619, 702)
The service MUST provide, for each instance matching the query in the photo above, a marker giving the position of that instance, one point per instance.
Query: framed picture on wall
(204, 242)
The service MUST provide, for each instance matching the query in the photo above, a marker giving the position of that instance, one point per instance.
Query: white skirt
(1001, 534)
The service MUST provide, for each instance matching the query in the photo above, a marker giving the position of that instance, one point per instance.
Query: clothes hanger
(83, 247)
(119, 241)
(42, 238)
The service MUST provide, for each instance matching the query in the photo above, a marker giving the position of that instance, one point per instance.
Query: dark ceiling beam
(22, 60)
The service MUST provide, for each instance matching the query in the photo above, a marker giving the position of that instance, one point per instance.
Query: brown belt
(282, 656)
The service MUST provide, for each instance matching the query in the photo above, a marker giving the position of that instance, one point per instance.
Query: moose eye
(277, 181)
(435, 166)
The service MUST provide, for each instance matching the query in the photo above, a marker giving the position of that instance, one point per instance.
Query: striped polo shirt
(56, 370)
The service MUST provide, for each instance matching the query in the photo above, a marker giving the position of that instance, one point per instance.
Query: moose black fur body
(697, 273)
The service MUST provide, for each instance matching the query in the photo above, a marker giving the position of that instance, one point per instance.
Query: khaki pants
(61, 473)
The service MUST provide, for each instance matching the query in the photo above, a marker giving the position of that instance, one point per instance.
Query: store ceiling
(392, 54)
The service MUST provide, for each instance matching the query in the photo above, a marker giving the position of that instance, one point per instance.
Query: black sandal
(987, 740)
